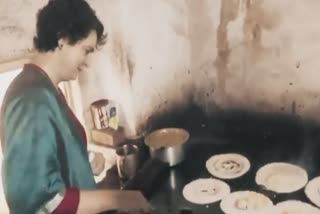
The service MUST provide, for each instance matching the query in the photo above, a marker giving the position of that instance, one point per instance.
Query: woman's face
(73, 58)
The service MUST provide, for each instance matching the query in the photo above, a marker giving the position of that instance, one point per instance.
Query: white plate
(282, 177)
(228, 166)
(246, 202)
(205, 191)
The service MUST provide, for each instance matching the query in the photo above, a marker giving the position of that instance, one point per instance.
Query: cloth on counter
(109, 155)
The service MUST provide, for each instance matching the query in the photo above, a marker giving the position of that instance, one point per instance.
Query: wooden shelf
(108, 137)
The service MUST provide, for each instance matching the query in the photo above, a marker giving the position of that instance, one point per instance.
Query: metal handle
(122, 173)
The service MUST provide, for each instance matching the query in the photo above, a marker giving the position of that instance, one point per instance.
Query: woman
(45, 166)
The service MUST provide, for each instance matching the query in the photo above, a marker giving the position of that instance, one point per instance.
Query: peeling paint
(228, 12)
(121, 57)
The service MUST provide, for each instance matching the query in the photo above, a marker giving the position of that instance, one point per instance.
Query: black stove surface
(262, 138)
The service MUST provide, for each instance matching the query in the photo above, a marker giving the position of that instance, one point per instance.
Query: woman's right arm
(96, 201)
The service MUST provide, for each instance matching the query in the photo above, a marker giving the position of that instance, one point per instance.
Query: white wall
(261, 55)
(142, 64)
(253, 54)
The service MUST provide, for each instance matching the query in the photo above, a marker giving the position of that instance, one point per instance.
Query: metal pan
(168, 144)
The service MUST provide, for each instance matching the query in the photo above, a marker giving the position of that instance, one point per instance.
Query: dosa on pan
(282, 177)
(312, 191)
(294, 207)
(246, 202)
(205, 191)
(228, 166)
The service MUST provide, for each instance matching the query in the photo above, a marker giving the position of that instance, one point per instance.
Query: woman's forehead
(90, 40)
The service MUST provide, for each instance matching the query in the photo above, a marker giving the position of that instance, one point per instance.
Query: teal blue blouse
(43, 146)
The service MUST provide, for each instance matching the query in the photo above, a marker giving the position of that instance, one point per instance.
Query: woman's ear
(60, 43)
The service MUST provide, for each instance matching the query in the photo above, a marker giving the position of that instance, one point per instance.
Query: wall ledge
(15, 62)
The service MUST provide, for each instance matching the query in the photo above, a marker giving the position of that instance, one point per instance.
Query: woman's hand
(133, 202)
(98, 163)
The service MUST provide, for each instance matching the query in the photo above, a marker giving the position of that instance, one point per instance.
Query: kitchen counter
(261, 138)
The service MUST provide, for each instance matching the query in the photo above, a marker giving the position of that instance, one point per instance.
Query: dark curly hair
(68, 19)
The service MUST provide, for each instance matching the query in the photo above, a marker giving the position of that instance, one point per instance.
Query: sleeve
(69, 203)
(31, 170)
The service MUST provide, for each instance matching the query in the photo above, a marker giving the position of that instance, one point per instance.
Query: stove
(262, 138)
